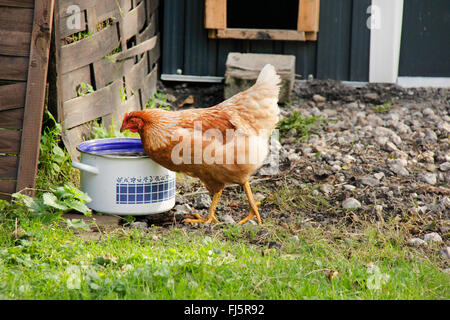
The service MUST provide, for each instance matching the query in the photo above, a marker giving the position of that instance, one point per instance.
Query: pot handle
(85, 167)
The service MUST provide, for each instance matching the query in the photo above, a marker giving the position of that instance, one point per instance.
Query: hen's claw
(212, 210)
(200, 219)
(251, 215)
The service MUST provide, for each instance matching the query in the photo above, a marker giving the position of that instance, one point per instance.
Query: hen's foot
(211, 212)
(251, 215)
(200, 219)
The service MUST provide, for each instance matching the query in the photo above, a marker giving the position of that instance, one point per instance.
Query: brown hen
(220, 145)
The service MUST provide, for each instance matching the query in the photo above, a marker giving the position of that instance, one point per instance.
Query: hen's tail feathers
(269, 76)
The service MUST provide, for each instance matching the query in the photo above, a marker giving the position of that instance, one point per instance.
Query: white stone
(432, 237)
(351, 203)
(417, 242)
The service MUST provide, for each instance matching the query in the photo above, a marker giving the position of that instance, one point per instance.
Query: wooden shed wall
(25, 29)
(341, 51)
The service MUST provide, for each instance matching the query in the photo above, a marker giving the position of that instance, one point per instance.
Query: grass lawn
(48, 260)
(43, 256)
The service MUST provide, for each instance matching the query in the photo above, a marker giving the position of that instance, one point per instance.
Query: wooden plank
(35, 94)
(105, 9)
(155, 53)
(73, 137)
(134, 79)
(7, 187)
(136, 50)
(215, 14)
(107, 71)
(15, 43)
(88, 50)
(311, 36)
(95, 105)
(110, 9)
(8, 167)
(65, 31)
(149, 87)
(12, 96)
(64, 6)
(153, 6)
(13, 68)
(133, 21)
(16, 19)
(70, 81)
(308, 15)
(56, 72)
(12, 119)
(17, 3)
(116, 116)
(10, 141)
(148, 32)
(260, 34)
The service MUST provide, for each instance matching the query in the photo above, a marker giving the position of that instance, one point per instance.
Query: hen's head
(132, 122)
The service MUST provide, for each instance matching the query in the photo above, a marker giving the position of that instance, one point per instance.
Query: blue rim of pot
(113, 148)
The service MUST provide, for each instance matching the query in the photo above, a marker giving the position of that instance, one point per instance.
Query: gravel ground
(381, 150)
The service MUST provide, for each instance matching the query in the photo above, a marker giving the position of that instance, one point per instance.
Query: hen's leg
(253, 205)
(211, 212)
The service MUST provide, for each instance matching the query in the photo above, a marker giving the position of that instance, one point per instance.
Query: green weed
(158, 100)
(305, 126)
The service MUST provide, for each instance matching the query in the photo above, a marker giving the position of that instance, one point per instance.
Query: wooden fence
(106, 54)
(25, 30)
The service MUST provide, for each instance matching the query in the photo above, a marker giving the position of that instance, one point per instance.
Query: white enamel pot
(122, 180)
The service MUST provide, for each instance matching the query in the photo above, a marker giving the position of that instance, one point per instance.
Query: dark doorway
(262, 14)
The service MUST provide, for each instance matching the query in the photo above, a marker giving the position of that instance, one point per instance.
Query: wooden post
(215, 14)
(35, 94)
(308, 15)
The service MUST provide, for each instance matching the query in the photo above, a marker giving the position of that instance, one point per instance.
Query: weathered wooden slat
(35, 94)
(7, 187)
(133, 21)
(12, 119)
(115, 118)
(16, 19)
(105, 9)
(8, 167)
(10, 141)
(73, 137)
(17, 3)
(13, 68)
(215, 14)
(88, 50)
(15, 43)
(133, 79)
(70, 81)
(149, 87)
(94, 105)
(155, 53)
(148, 32)
(64, 29)
(136, 50)
(308, 15)
(64, 6)
(12, 96)
(259, 34)
(107, 71)
(154, 4)
(112, 9)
